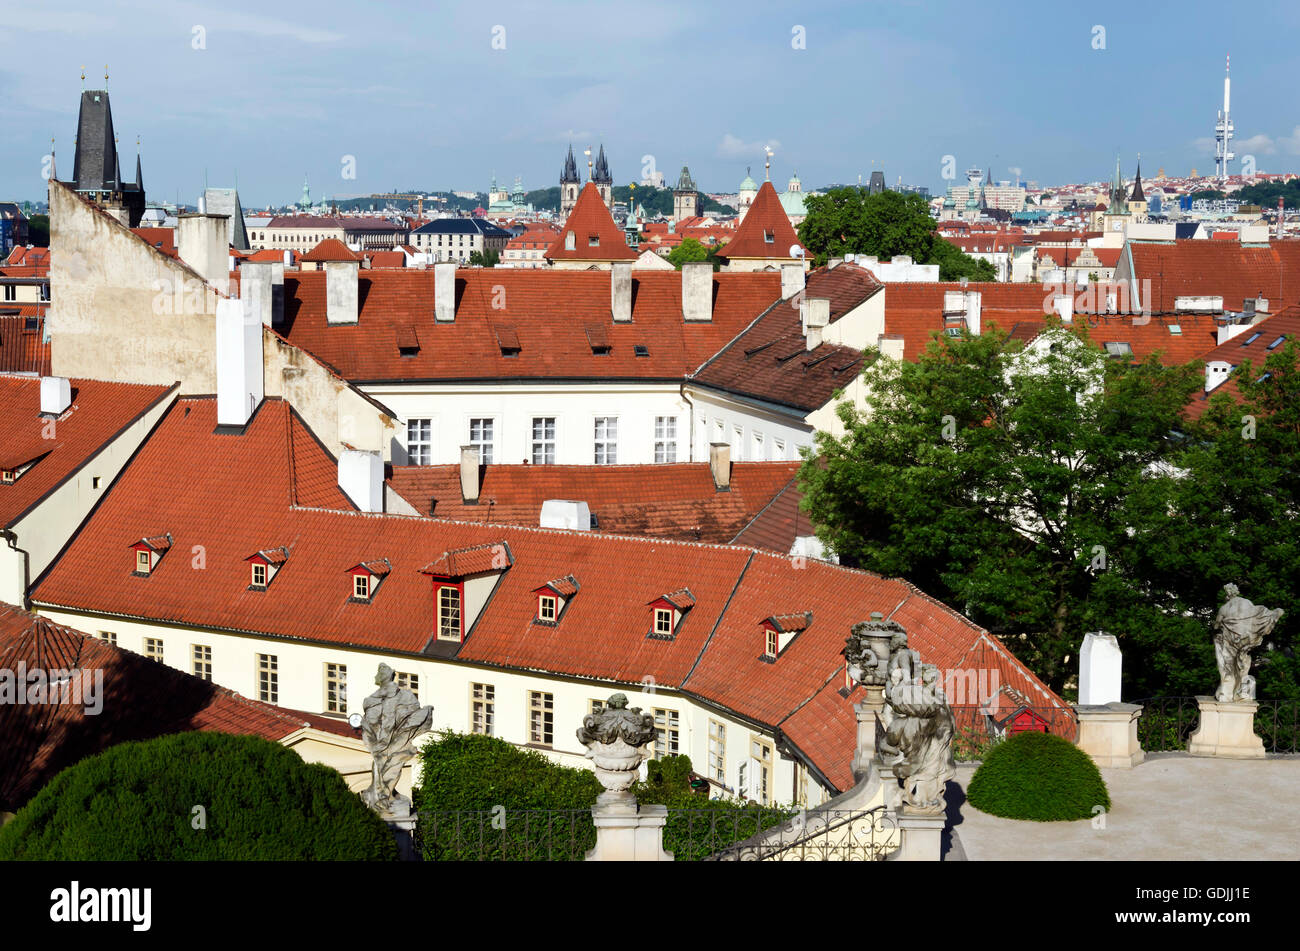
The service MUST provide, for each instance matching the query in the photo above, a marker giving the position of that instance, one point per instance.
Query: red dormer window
(148, 552)
(143, 561)
(773, 645)
(361, 587)
(8, 476)
(264, 565)
(667, 613)
(553, 597)
(259, 576)
(546, 607)
(367, 577)
(779, 630)
(664, 622)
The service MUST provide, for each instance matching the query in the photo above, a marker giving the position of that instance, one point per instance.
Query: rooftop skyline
(368, 101)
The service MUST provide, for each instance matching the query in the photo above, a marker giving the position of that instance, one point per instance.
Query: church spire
(1136, 194)
(570, 172)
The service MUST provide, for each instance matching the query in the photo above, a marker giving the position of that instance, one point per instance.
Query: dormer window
(769, 237)
(552, 599)
(779, 630)
(367, 577)
(773, 645)
(593, 241)
(263, 566)
(463, 580)
(148, 552)
(570, 242)
(667, 613)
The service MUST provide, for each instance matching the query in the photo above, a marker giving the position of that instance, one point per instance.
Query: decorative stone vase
(615, 738)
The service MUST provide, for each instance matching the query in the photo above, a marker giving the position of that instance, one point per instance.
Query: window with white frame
(109, 636)
(773, 644)
(202, 660)
(594, 707)
(336, 688)
(546, 608)
(482, 708)
(541, 718)
(665, 439)
(409, 682)
(737, 444)
(778, 449)
(419, 442)
(757, 447)
(153, 648)
(480, 435)
(543, 440)
(667, 733)
(268, 678)
(664, 622)
(449, 613)
(606, 440)
(761, 752)
(718, 751)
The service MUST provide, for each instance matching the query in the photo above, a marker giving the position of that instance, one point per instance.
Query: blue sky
(419, 96)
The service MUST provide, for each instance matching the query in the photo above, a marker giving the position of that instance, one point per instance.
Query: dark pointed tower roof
(570, 172)
(94, 166)
(989, 179)
(601, 174)
(1136, 194)
(684, 181)
(139, 177)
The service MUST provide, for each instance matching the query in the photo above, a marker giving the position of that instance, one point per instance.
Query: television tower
(1223, 131)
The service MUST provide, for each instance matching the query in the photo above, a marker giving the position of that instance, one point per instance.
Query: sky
(383, 96)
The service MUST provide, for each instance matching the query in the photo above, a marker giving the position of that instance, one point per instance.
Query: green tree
(38, 230)
(692, 250)
(850, 219)
(1001, 481)
(197, 796)
(489, 258)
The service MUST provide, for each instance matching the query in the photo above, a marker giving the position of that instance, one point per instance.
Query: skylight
(1276, 343)
(1252, 338)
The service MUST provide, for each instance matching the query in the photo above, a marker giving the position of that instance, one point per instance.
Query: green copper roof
(748, 184)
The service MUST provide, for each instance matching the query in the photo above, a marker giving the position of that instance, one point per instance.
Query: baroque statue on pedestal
(1239, 628)
(391, 721)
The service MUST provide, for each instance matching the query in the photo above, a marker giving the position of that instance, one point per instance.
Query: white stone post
(1107, 727)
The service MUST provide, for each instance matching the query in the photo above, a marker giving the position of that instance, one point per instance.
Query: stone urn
(614, 739)
(868, 648)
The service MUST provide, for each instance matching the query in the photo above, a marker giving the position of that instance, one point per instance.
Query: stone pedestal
(628, 833)
(1109, 734)
(920, 836)
(868, 713)
(1227, 729)
(402, 822)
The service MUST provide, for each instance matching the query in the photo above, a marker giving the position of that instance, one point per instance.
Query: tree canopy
(1052, 492)
(852, 220)
(692, 250)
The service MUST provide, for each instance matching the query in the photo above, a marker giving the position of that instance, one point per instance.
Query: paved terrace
(1173, 806)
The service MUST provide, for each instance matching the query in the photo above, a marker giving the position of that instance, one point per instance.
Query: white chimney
(720, 465)
(444, 291)
(817, 316)
(565, 514)
(203, 242)
(469, 486)
(1228, 331)
(341, 278)
(833, 263)
(239, 363)
(255, 290)
(697, 291)
(1100, 663)
(973, 311)
(620, 291)
(792, 280)
(56, 395)
(361, 477)
(1216, 371)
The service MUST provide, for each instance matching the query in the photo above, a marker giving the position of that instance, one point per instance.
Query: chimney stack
(973, 311)
(56, 395)
(1063, 304)
(817, 316)
(620, 291)
(833, 263)
(697, 291)
(239, 363)
(341, 279)
(720, 465)
(256, 279)
(277, 293)
(565, 514)
(469, 487)
(792, 280)
(444, 291)
(203, 242)
(361, 477)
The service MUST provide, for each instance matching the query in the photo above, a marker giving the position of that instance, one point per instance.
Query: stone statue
(391, 721)
(917, 742)
(867, 650)
(615, 738)
(1239, 628)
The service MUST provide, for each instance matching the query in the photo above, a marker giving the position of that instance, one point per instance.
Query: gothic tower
(686, 198)
(570, 185)
(604, 180)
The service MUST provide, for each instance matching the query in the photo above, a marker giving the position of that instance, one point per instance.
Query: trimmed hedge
(1040, 777)
(136, 802)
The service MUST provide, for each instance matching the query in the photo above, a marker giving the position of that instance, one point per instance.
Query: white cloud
(733, 147)
(1291, 143)
(1256, 144)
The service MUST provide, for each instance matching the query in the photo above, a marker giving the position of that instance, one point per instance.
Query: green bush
(1038, 776)
(136, 802)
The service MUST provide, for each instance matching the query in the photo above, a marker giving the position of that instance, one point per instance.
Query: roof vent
(565, 514)
(56, 395)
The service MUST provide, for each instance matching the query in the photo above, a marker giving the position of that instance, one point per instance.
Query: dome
(748, 185)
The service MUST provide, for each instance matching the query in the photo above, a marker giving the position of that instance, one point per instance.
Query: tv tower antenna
(1223, 132)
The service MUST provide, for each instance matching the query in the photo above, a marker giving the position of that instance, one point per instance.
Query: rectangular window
(153, 648)
(202, 662)
(546, 608)
(268, 678)
(665, 439)
(480, 435)
(606, 440)
(361, 587)
(259, 576)
(482, 708)
(336, 688)
(762, 754)
(667, 733)
(737, 444)
(718, 751)
(142, 562)
(419, 442)
(109, 636)
(778, 449)
(541, 718)
(758, 448)
(409, 682)
(773, 643)
(449, 615)
(595, 706)
(543, 440)
(11, 292)
(663, 621)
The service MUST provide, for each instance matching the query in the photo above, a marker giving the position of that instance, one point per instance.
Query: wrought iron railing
(505, 835)
(843, 835)
(1167, 722)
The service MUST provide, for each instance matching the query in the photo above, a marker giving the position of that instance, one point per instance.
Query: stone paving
(1173, 806)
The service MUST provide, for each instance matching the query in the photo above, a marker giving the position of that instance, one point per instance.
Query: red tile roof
(164, 239)
(473, 560)
(40, 740)
(22, 350)
(331, 249)
(30, 257)
(714, 653)
(1195, 268)
(674, 500)
(98, 414)
(765, 217)
(386, 258)
(550, 310)
(590, 219)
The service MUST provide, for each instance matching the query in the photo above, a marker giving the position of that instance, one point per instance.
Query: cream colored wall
(46, 529)
(444, 684)
(861, 327)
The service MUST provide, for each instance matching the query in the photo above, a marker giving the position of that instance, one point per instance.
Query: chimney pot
(697, 291)
(792, 280)
(620, 291)
(444, 291)
(56, 395)
(203, 242)
(817, 316)
(341, 285)
(469, 484)
(720, 465)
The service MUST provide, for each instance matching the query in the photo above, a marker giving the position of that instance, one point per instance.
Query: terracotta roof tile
(765, 231)
(590, 220)
(331, 249)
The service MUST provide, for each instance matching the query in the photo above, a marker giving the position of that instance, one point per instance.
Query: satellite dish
(796, 251)
(354, 720)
